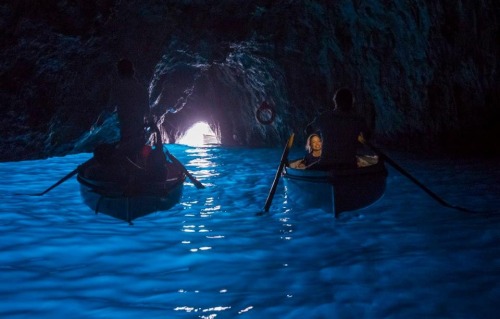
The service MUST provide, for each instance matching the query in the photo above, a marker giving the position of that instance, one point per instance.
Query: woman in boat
(313, 149)
(340, 129)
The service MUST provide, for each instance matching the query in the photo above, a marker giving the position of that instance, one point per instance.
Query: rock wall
(425, 73)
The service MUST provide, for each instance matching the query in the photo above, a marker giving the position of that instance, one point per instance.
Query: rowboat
(128, 199)
(115, 185)
(338, 190)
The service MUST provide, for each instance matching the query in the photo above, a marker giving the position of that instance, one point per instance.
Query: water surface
(210, 256)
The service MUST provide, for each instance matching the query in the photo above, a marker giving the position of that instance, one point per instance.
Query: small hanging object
(265, 114)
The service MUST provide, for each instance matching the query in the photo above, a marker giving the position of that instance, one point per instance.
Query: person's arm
(365, 132)
(363, 127)
(302, 163)
(361, 138)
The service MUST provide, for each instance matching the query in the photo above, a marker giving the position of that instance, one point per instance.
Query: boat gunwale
(113, 189)
(323, 176)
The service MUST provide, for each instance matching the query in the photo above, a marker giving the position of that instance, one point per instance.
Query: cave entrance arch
(199, 134)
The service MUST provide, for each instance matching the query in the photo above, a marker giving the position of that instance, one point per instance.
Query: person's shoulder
(326, 115)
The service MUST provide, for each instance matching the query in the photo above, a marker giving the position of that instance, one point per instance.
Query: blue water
(210, 256)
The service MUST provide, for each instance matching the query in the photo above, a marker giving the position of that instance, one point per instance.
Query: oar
(410, 177)
(62, 180)
(196, 182)
(284, 159)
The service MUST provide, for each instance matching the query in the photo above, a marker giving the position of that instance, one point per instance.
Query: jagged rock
(425, 73)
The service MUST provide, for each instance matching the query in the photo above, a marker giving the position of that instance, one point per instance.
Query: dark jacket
(309, 159)
(339, 132)
(132, 102)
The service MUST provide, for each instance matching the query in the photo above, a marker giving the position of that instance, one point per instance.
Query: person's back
(340, 133)
(132, 102)
(339, 130)
(132, 107)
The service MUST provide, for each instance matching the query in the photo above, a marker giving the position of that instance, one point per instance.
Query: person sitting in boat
(340, 129)
(313, 151)
(154, 159)
(123, 161)
(131, 100)
(103, 165)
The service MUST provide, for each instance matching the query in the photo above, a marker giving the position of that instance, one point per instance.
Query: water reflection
(211, 256)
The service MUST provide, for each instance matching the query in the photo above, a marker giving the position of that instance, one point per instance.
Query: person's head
(343, 99)
(314, 143)
(125, 68)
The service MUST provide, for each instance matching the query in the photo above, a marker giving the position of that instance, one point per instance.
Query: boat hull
(335, 191)
(111, 199)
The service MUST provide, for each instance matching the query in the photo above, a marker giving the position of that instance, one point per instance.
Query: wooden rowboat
(113, 199)
(335, 191)
(116, 199)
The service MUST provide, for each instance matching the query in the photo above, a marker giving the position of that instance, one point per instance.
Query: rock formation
(425, 73)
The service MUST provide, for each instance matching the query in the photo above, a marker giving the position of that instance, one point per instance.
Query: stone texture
(425, 73)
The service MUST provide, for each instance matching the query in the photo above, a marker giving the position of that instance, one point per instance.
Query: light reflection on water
(212, 257)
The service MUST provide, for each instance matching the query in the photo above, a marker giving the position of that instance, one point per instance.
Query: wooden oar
(411, 178)
(284, 159)
(62, 180)
(196, 182)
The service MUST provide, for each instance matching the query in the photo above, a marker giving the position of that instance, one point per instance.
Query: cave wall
(424, 73)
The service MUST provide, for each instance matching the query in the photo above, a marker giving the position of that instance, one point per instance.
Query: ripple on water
(212, 257)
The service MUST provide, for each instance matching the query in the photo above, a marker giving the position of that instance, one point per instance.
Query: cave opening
(199, 134)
